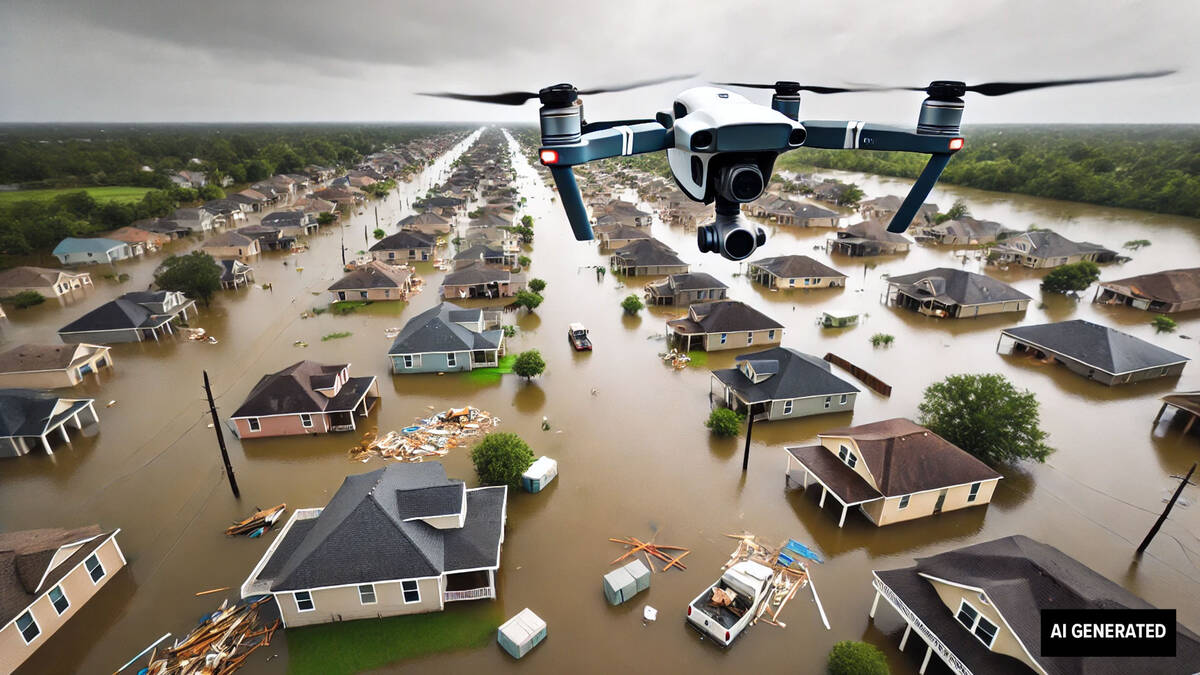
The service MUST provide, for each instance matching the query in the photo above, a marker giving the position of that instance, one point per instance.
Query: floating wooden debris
(657, 550)
(198, 335)
(678, 360)
(219, 645)
(791, 573)
(255, 525)
(429, 437)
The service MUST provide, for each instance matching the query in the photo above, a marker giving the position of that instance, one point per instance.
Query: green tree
(958, 210)
(856, 658)
(500, 459)
(537, 285)
(379, 233)
(527, 299)
(211, 191)
(529, 364)
(1071, 278)
(986, 416)
(524, 261)
(27, 299)
(527, 220)
(326, 218)
(724, 422)
(632, 304)
(882, 340)
(1163, 324)
(196, 275)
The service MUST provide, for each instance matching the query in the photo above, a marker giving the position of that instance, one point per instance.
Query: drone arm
(918, 192)
(614, 141)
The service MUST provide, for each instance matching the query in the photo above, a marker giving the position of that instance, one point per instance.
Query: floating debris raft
(260, 522)
(219, 645)
(791, 573)
(429, 437)
(678, 360)
(651, 549)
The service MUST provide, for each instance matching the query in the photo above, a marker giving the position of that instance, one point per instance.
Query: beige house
(1043, 249)
(894, 470)
(51, 366)
(45, 577)
(399, 540)
(725, 324)
(231, 245)
(49, 282)
(795, 271)
(978, 607)
(375, 280)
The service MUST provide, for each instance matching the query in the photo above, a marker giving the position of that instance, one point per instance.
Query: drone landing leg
(919, 191)
(572, 201)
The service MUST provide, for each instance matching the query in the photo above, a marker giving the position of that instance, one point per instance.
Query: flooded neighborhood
(341, 380)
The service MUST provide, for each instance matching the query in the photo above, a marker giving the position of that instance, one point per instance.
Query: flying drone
(722, 147)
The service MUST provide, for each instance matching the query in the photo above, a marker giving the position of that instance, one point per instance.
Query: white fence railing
(928, 635)
(473, 594)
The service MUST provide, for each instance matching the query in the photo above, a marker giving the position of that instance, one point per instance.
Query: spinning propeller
(790, 88)
(956, 89)
(521, 97)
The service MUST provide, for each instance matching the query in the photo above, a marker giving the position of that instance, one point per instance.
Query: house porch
(472, 585)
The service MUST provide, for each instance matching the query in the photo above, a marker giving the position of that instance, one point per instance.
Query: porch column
(1188, 427)
(95, 416)
(75, 419)
(46, 445)
(62, 429)
(154, 332)
(874, 605)
(1161, 410)
(842, 520)
(169, 329)
(492, 582)
(824, 491)
(907, 632)
(925, 661)
(806, 478)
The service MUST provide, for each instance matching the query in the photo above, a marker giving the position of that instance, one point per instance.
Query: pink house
(305, 398)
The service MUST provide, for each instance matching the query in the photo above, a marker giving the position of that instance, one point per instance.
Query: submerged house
(725, 324)
(428, 223)
(133, 317)
(782, 383)
(684, 289)
(46, 576)
(51, 366)
(48, 282)
(305, 398)
(373, 281)
(1042, 249)
(894, 470)
(403, 539)
(799, 214)
(795, 271)
(647, 256)
(231, 244)
(1099, 353)
(76, 251)
(1168, 291)
(481, 281)
(235, 273)
(447, 338)
(966, 231)
(618, 235)
(269, 238)
(978, 609)
(28, 418)
(868, 238)
(954, 293)
(292, 223)
(404, 245)
(484, 254)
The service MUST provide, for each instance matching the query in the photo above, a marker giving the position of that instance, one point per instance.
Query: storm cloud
(267, 60)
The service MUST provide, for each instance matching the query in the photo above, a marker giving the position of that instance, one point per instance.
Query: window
(94, 568)
(903, 502)
(749, 338)
(771, 335)
(408, 360)
(791, 282)
(305, 420)
(59, 600)
(828, 400)
(787, 407)
(967, 615)
(986, 631)
(843, 452)
(723, 336)
(28, 627)
(366, 594)
(451, 360)
(979, 625)
(851, 460)
(411, 592)
(304, 601)
(253, 423)
(974, 492)
(843, 401)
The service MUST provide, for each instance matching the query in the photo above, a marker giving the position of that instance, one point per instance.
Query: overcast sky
(298, 60)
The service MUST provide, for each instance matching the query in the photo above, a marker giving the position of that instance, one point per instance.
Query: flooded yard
(627, 431)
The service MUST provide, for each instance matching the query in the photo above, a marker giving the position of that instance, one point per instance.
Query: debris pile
(198, 335)
(790, 574)
(678, 360)
(219, 645)
(651, 549)
(429, 437)
(257, 524)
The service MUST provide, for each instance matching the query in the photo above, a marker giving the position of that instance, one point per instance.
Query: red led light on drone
(551, 156)
(956, 143)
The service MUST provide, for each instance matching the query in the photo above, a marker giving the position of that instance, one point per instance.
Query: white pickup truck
(748, 582)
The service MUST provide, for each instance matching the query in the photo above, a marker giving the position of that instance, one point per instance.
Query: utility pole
(749, 431)
(1183, 482)
(212, 408)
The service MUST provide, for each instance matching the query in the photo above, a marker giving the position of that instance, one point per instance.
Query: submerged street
(627, 430)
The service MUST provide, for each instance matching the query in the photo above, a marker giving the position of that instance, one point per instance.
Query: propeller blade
(507, 98)
(634, 85)
(1002, 88)
(747, 85)
(816, 89)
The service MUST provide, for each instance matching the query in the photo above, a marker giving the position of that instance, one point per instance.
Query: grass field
(492, 375)
(355, 646)
(123, 195)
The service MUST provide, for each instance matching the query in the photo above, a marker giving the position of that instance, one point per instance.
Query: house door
(941, 500)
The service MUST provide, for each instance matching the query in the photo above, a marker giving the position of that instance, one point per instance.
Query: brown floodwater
(634, 457)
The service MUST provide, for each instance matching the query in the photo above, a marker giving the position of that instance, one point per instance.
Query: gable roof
(365, 533)
(479, 252)
(724, 316)
(404, 239)
(875, 230)
(25, 556)
(691, 281)
(227, 239)
(796, 266)
(956, 286)
(905, 457)
(25, 412)
(1050, 244)
(374, 274)
(290, 391)
(34, 357)
(437, 329)
(792, 375)
(93, 245)
(284, 218)
(19, 277)
(1174, 286)
(116, 314)
(1108, 349)
(648, 252)
(476, 274)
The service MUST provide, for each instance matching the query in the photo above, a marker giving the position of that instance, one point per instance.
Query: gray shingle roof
(796, 266)
(405, 239)
(290, 390)
(114, 315)
(793, 375)
(692, 281)
(726, 316)
(437, 330)
(955, 286)
(476, 274)
(374, 274)
(1100, 347)
(648, 253)
(25, 412)
(1048, 244)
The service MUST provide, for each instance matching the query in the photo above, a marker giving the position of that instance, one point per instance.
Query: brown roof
(374, 274)
(1174, 286)
(842, 481)
(1185, 400)
(24, 557)
(136, 235)
(875, 230)
(19, 277)
(905, 457)
(26, 358)
(225, 239)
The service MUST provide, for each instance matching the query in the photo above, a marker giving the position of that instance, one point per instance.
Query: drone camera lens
(740, 243)
(745, 183)
(797, 136)
(702, 139)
